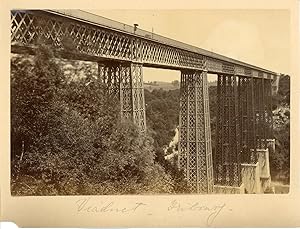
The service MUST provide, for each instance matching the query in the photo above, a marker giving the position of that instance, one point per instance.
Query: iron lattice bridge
(244, 113)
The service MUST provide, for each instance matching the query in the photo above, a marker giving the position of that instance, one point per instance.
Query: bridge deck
(95, 36)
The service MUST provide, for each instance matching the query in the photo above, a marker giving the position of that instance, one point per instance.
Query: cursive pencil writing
(212, 211)
(86, 205)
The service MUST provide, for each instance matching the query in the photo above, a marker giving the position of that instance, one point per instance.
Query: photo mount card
(130, 115)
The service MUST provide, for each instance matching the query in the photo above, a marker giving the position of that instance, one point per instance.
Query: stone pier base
(220, 189)
(251, 178)
(263, 161)
(264, 170)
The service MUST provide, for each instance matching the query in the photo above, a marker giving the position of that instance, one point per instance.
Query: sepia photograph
(157, 114)
(149, 102)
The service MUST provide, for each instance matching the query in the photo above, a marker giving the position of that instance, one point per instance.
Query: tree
(35, 81)
(76, 142)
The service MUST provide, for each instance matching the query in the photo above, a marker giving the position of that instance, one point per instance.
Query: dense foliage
(280, 159)
(67, 137)
(282, 98)
(162, 114)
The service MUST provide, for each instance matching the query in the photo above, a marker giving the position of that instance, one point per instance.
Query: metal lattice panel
(228, 157)
(132, 94)
(126, 93)
(254, 73)
(109, 75)
(260, 113)
(218, 156)
(126, 81)
(195, 153)
(228, 68)
(138, 96)
(239, 71)
(251, 123)
(214, 65)
(87, 41)
(27, 28)
(246, 117)
(268, 109)
(247, 72)
(157, 53)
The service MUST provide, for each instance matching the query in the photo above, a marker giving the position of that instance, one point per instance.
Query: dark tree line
(280, 159)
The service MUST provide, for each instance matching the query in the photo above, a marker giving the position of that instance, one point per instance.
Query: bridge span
(244, 114)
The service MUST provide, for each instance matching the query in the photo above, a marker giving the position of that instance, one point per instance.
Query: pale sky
(258, 37)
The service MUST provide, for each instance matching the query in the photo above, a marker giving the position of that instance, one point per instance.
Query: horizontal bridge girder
(83, 37)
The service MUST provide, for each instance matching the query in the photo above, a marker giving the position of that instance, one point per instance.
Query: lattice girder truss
(89, 41)
(227, 159)
(195, 152)
(263, 111)
(244, 123)
(247, 120)
(126, 82)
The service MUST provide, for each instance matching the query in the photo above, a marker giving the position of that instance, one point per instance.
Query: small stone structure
(251, 178)
(256, 178)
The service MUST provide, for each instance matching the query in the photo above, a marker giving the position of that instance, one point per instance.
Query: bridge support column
(264, 125)
(109, 75)
(260, 113)
(249, 167)
(251, 178)
(268, 110)
(126, 82)
(264, 167)
(227, 160)
(132, 98)
(195, 152)
(270, 141)
(247, 120)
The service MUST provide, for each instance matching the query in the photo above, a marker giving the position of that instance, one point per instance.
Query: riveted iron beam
(82, 35)
(195, 152)
(126, 82)
(247, 119)
(228, 153)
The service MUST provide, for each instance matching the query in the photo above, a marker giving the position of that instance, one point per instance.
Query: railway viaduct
(244, 114)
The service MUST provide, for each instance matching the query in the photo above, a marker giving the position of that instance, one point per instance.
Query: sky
(258, 37)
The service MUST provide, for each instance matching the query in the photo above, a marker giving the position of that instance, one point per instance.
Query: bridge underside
(244, 112)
